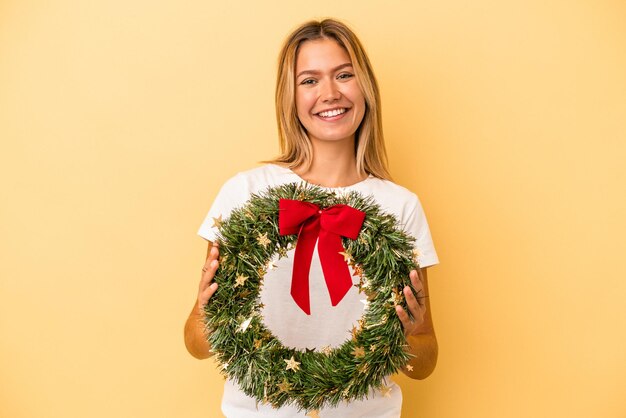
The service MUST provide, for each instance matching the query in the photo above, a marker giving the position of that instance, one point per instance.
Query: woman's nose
(330, 92)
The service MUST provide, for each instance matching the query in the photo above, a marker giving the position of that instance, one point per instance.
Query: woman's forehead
(321, 54)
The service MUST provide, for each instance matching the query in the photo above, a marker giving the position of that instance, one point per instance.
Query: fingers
(418, 285)
(404, 317)
(415, 307)
(210, 266)
(206, 289)
(408, 325)
(205, 295)
(419, 274)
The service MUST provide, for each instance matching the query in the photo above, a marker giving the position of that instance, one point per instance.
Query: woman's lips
(332, 118)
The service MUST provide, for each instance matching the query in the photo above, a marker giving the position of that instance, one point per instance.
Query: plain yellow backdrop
(119, 121)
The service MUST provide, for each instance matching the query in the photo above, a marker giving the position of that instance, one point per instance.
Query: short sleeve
(233, 194)
(417, 226)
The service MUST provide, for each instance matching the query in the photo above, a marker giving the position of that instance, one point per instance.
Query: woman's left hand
(416, 304)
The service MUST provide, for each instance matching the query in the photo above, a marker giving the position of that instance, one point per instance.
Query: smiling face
(329, 102)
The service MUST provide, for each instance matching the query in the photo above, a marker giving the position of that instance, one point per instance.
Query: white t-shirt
(326, 325)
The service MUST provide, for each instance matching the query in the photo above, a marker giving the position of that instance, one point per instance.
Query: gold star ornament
(263, 239)
(346, 257)
(313, 414)
(396, 296)
(244, 325)
(292, 364)
(217, 222)
(358, 352)
(240, 280)
(285, 386)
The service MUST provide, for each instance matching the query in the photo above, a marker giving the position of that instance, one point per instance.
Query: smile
(332, 113)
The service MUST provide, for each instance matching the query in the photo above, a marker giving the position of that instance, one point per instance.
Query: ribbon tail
(302, 264)
(335, 268)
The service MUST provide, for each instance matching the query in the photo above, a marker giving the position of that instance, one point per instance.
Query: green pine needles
(249, 354)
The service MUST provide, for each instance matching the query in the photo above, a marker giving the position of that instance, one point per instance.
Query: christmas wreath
(380, 253)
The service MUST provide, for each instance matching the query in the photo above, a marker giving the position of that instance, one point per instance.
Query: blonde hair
(295, 147)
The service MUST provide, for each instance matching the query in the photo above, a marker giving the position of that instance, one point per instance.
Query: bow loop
(292, 214)
(343, 220)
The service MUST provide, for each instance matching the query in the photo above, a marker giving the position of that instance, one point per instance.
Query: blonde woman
(330, 131)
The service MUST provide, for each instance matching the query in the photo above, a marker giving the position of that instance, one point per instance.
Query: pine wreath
(252, 356)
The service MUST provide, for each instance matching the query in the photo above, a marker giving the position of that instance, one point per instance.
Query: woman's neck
(334, 165)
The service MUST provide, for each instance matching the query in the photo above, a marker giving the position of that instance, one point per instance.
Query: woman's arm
(195, 336)
(419, 331)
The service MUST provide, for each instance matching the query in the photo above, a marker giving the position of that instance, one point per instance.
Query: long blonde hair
(295, 146)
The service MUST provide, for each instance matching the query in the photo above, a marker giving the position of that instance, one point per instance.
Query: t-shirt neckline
(293, 173)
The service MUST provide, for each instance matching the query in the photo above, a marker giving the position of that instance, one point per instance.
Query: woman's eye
(345, 75)
(308, 81)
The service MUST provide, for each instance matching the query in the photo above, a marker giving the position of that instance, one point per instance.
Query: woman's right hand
(195, 333)
(207, 287)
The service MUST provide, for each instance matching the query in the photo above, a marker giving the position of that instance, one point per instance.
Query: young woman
(329, 124)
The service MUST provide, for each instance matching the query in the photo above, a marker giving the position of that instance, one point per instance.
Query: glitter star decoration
(346, 257)
(409, 367)
(358, 352)
(327, 350)
(396, 296)
(217, 222)
(285, 386)
(292, 364)
(363, 285)
(354, 332)
(244, 325)
(240, 280)
(263, 239)
(386, 391)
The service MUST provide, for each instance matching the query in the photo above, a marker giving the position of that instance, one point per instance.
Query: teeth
(331, 113)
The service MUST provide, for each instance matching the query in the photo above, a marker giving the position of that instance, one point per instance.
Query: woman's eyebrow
(337, 68)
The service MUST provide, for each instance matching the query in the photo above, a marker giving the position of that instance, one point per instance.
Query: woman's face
(329, 102)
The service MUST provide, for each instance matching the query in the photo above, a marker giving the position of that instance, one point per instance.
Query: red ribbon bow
(330, 224)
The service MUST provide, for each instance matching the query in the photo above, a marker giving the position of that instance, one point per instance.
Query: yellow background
(119, 121)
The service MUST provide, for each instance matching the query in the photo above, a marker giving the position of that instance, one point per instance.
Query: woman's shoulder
(257, 178)
(389, 190)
